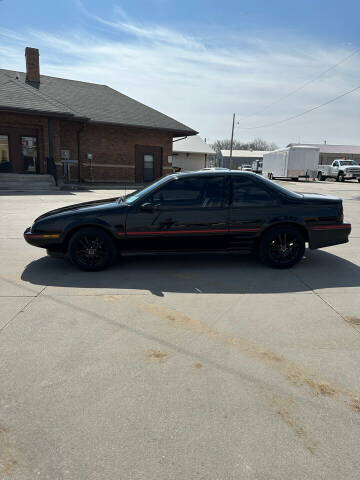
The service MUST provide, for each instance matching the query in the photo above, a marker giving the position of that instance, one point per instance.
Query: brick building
(115, 137)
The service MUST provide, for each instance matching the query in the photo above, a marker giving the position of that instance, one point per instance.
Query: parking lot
(178, 367)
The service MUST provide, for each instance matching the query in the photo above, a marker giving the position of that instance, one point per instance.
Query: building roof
(244, 153)
(81, 100)
(336, 149)
(194, 144)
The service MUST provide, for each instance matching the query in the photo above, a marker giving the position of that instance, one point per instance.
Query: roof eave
(28, 111)
(193, 152)
(175, 132)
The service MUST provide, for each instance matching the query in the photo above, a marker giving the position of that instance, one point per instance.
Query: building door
(5, 165)
(29, 154)
(148, 163)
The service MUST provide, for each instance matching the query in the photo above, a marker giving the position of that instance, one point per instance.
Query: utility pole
(232, 141)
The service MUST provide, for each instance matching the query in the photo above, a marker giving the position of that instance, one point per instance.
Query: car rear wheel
(282, 247)
(320, 177)
(92, 249)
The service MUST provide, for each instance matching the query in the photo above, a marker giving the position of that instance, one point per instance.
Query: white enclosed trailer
(291, 162)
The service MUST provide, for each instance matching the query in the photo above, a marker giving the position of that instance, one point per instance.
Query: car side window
(246, 192)
(336, 164)
(191, 192)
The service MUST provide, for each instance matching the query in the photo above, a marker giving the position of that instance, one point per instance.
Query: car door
(187, 213)
(251, 207)
(335, 168)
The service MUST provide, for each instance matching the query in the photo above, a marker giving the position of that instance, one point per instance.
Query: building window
(4, 154)
(149, 168)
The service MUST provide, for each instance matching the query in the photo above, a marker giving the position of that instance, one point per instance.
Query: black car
(191, 212)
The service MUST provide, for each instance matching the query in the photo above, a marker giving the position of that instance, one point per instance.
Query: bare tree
(256, 144)
(225, 144)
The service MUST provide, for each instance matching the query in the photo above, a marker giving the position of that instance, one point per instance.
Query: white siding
(189, 161)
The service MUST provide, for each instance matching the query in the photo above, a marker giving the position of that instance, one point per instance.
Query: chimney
(32, 65)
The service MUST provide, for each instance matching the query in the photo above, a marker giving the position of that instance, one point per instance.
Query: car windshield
(132, 197)
(347, 163)
(279, 188)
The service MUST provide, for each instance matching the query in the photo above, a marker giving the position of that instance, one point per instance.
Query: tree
(256, 144)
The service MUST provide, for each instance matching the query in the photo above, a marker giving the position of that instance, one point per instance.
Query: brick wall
(112, 147)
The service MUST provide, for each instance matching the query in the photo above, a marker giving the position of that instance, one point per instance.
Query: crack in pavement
(357, 330)
(22, 309)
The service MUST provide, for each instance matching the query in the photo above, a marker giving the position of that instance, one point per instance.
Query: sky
(200, 61)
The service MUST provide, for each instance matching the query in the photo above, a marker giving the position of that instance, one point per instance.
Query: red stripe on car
(331, 227)
(173, 232)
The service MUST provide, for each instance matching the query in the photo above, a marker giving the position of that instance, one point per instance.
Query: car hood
(320, 198)
(85, 206)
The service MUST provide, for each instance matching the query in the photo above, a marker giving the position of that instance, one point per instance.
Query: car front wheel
(282, 247)
(92, 249)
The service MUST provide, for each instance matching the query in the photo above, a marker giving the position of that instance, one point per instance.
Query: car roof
(212, 172)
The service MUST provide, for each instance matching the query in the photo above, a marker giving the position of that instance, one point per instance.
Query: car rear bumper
(327, 235)
(43, 240)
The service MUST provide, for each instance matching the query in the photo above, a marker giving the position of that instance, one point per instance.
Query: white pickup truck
(340, 169)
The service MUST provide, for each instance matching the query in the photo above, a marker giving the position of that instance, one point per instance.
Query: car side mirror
(147, 207)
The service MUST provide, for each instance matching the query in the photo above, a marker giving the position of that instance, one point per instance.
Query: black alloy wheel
(91, 249)
(282, 247)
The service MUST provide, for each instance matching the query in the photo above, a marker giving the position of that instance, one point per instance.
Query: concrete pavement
(186, 367)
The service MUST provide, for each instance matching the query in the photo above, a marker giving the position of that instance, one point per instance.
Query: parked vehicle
(190, 212)
(292, 162)
(256, 166)
(245, 168)
(340, 169)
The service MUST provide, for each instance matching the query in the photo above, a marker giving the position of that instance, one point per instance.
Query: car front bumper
(43, 239)
(327, 235)
(350, 176)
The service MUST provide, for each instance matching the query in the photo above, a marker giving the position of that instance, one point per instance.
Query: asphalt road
(199, 367)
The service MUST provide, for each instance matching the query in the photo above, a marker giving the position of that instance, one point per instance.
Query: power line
(308, 82)
(302, 113)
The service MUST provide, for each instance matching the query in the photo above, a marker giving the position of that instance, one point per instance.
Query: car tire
(282, 247)
(341, 177)
(359, 180)
(92, 249)
(320, 177)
